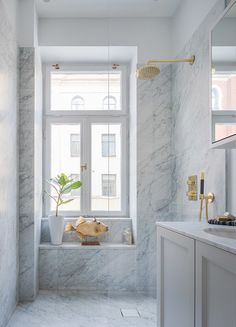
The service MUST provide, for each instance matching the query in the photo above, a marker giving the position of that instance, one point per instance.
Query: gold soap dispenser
(209, 198)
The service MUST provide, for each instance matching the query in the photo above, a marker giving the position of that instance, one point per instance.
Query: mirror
(223, 76)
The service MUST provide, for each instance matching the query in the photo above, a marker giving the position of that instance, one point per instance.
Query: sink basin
(222, 232)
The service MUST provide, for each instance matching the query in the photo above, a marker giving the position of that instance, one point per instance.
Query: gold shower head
(148, 71)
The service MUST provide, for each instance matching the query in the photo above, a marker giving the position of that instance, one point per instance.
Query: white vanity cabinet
(176, 279)
(215, 287)
(196, 282)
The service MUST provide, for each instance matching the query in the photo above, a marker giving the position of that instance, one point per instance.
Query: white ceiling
(57, 54)
(107, 8)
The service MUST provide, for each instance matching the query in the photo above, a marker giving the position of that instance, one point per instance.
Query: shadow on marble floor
(84, 309)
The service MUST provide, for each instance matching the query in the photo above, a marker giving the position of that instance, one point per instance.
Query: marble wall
(191, 126)
(8, 161)
(30, 170)
(103, 269)
(154, 167)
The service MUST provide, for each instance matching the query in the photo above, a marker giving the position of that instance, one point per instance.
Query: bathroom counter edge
(196, 231)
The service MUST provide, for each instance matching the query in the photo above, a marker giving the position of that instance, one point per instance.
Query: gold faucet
(209, 198)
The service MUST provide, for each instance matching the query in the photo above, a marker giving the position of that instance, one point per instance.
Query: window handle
(83, 167)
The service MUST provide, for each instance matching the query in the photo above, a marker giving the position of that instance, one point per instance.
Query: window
(108, 185)
(75, 177)
(88, 144)
(108, 145)
(109, 103)
(77, 103)
(215, 98)
(74, 145)
(78, 90)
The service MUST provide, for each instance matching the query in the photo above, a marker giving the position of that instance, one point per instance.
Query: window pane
(85, 90)
(65, 141)
(108, 185)
(223, 130)
(106, 169)
(108, 145)
(224, 91)
(75, 145)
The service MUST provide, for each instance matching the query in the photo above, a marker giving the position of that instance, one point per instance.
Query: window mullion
(86, 146)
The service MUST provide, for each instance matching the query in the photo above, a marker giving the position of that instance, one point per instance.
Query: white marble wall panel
(191, 126)
(30, 170)
(88, 269)
(154, 167)
(8, 162)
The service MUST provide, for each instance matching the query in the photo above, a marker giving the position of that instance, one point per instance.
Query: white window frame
(86, 118)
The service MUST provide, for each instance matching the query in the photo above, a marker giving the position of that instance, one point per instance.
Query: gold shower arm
(190, 60)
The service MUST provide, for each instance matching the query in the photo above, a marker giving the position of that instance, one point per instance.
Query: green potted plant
(62, 185)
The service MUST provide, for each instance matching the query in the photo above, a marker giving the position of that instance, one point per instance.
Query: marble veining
(101, 269)
(72, 308)
(154, 167)
(9, 162)
(191, 126)
(30, 170)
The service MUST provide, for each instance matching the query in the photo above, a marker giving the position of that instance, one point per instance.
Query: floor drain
(130, 313)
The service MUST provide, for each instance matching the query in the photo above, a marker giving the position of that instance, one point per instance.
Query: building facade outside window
(108, 145)
(75, 145)
(77, 103)
(108, 185)
(109, 103)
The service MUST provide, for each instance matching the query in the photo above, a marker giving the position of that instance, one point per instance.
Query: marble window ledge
(101, 218)
(77, 245)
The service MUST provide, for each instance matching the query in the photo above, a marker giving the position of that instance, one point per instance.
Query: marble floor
(85, 309)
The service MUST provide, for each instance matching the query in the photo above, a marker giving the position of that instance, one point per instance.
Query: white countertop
(196, 231)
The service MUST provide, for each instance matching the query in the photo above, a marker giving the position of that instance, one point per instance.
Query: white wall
(187, 19)
(152, 36)
(28, 24)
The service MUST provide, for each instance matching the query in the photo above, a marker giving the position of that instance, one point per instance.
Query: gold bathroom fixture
(56, 66)
(209, 198)
(150, 69)
(115, 66)
(192, 188)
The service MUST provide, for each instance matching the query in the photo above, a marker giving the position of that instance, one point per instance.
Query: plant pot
(56, 227)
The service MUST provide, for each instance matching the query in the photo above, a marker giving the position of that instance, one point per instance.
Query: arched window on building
(216, 98)
(109, 103)
(77, 103)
